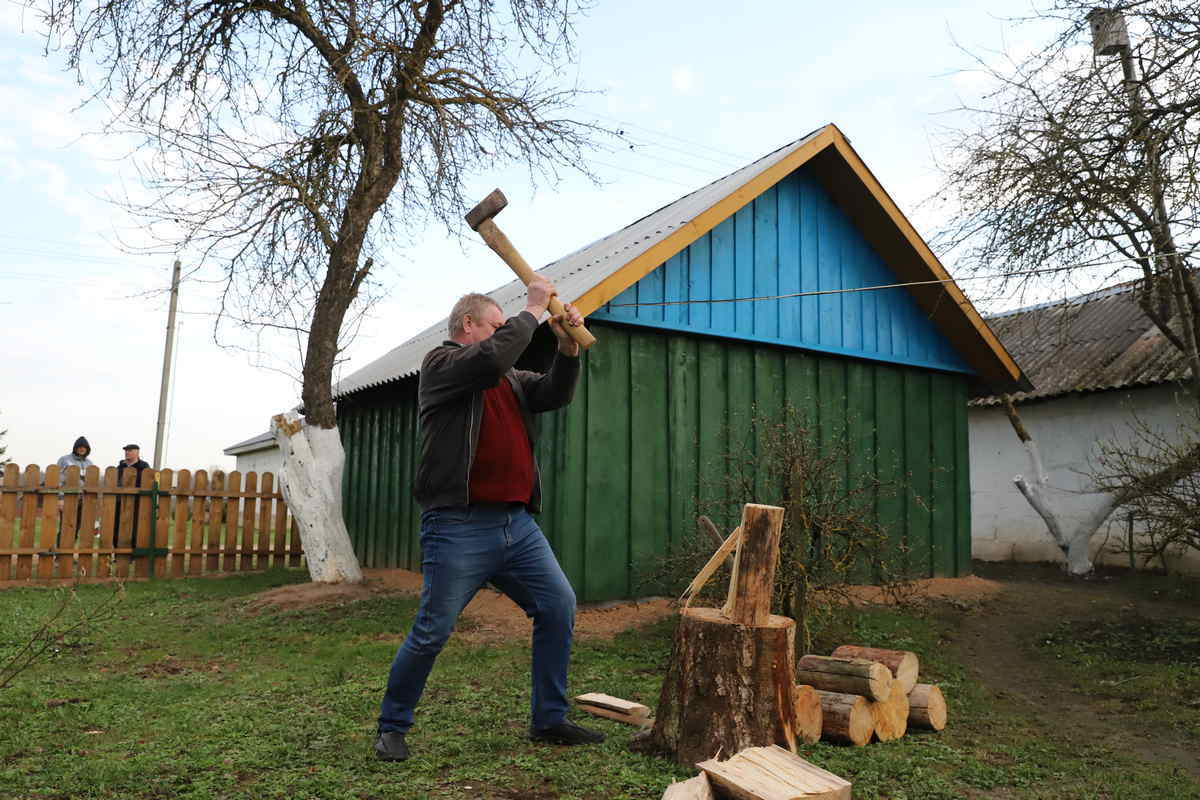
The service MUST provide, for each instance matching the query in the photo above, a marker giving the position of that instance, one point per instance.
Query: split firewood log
(772, 773)
(903, 664)
(697, 788)
(870, 679)
(846, 718)
(926, 707)
(891, 715)
(605, 705)
(808, 714)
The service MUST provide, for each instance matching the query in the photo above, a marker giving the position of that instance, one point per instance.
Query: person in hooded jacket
(78, 457)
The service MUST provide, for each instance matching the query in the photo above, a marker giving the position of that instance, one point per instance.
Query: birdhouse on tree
(1109, 34)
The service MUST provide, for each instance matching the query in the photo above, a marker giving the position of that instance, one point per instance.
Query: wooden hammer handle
(495, 239)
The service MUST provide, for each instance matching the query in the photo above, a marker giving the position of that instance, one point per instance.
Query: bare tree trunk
(311, 481)
(1045, 499)
(1074, 541)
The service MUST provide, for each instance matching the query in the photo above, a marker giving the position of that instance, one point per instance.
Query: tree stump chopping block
(728, 687)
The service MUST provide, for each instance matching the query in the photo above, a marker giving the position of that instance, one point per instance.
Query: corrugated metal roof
(262, 441)
(1093, 342)
(576, 273)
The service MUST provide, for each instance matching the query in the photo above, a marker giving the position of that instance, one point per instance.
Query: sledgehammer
(480, 220)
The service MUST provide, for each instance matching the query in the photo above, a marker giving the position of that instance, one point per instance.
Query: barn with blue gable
(735, 301)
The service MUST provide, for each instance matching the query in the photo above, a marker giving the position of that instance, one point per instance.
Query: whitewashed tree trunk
(1074, 540)
(311, 480)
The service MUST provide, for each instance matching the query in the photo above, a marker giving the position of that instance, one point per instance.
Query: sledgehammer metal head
(487, 208)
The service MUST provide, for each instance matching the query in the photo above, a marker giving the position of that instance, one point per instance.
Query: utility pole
(1166, 271)
(166, 370)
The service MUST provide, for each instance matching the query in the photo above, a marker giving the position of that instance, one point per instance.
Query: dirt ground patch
(170, 666)
(960, 591)
(996, 639)
(494, 617)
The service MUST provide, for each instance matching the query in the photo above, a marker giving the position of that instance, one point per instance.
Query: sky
(700, 88)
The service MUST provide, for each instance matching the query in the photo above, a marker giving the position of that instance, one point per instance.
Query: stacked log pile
(868, 693)
(733, 685)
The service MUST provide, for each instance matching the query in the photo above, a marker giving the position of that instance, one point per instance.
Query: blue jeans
(462, 548)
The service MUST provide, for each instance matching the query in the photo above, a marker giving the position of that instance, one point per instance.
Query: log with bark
(846, 718)
(926, 707)
(752, 583)
(903, 664)
(891, 715)
(727, 687)
(808, 714)
(846, 675)
(772, 773)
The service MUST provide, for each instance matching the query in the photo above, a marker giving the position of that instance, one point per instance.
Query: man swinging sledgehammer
(477, 483)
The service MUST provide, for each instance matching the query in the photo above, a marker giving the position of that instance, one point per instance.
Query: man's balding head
(480, 309)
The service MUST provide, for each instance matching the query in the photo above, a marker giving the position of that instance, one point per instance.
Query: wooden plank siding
(626, 466)
(792, 238)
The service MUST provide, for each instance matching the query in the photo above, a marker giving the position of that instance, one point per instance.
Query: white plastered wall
(260, 461)
(1067, 429)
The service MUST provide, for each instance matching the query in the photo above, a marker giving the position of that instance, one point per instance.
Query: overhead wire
(661, 160)
(639, 172)
(737, 157)
(901, 285)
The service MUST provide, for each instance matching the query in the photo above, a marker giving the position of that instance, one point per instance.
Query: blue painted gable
(792, 238)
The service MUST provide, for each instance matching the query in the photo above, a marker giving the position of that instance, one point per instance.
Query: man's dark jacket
(139, 465)
(450, 406)
(122, 465)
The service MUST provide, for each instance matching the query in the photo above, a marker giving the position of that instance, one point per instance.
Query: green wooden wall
(625, 465)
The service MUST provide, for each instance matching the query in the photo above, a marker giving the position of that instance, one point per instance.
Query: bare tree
(1083, 165)
(1164, 503)
(292, 141)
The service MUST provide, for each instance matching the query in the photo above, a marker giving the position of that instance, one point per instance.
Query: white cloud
(683, 80)
(17, 19)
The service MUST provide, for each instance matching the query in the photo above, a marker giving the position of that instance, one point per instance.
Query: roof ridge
(592, 275)
(1079, 299)
(505, 288)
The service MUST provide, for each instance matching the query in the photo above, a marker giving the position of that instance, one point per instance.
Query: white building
(257, 454)
(1097, 364)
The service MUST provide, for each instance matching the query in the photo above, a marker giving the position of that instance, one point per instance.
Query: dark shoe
(390, 746)
(565, 732)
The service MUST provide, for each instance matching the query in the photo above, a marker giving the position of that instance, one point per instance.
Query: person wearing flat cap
(132, 460)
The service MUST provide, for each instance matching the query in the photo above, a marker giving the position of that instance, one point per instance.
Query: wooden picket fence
(169, 524)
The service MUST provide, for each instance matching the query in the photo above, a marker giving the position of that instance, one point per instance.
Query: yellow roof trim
(705, 221)
(922, 249)
(701, 224)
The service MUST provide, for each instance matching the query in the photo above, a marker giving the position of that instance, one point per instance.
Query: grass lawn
(190, 693)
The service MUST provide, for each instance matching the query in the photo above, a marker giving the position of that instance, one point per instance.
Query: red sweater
(503, 468)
